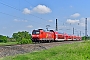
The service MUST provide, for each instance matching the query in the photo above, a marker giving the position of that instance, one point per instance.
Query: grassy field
(75, 51)
(8, 43)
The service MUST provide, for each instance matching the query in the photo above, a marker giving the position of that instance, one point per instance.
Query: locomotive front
(35, 35)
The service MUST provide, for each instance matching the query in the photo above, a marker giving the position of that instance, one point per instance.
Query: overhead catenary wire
(17, 17)
(20, 10)
(17, 10)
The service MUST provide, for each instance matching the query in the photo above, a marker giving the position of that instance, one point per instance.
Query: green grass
(75, 51)
(8, 43)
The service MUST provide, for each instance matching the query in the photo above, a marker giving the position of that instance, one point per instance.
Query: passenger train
(41, 35)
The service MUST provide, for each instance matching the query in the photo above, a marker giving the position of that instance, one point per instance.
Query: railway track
(26, 48)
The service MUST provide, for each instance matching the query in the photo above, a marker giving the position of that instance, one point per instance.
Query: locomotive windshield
(35, 32)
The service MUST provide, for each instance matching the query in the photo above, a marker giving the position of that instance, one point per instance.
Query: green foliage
(87, 38)
(3, 38)
(25, 41)
(83, 38)
(22, 37)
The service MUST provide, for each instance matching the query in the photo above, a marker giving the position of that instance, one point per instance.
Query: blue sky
(26, 15)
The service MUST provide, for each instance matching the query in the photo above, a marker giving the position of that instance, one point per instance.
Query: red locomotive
(47, 36)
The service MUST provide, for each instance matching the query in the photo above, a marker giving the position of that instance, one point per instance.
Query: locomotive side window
(36, 32)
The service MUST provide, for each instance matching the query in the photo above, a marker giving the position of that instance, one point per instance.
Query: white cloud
(16, 20)
(62, 26)
(82, 24)
(40, 28)
(75, 15)
(82, 21)
(72, 21)
(26, 11)
(30, 26)
(65, 27)
(71, 6)
(24, 21)
(42, 9)
(4, 27)
(50, 20)
(88, 19)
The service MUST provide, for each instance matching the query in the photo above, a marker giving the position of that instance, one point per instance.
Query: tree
(3, 38)
(22, 37)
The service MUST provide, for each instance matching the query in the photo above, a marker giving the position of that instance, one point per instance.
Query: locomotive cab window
(36, 32)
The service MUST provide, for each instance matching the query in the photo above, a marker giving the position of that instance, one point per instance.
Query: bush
(87, 38)
(4, 41)
(22, 37)
(25, 41)
(3, 38)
